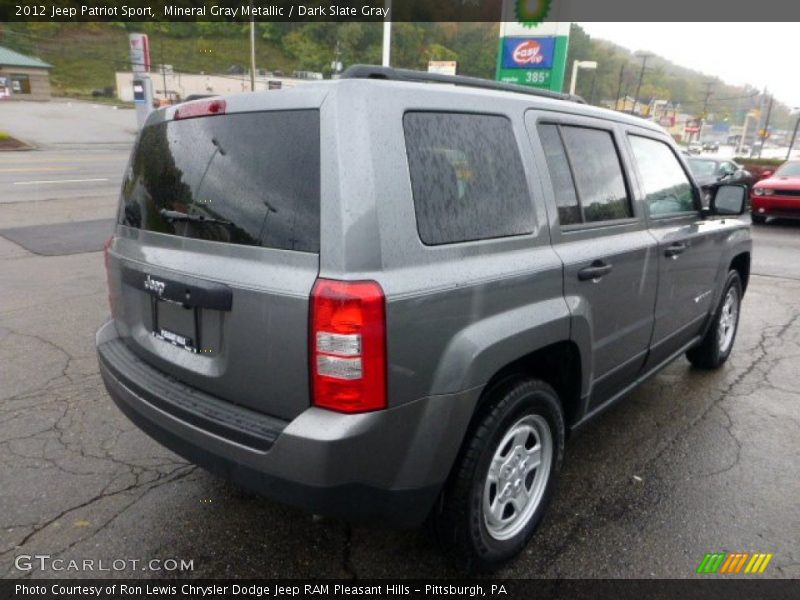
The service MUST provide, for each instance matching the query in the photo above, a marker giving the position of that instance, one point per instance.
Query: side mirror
(765, 174)
(728, 200)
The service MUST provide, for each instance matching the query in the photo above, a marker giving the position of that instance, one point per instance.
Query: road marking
(119, 157)
(35, 169)
(61, 181)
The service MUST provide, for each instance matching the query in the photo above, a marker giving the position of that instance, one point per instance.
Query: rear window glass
(466, 177)
(246, 178)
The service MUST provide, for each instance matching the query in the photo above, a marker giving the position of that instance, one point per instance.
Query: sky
(761, 54)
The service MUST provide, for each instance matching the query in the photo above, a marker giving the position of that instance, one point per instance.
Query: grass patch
(9, 143)
(86, 59)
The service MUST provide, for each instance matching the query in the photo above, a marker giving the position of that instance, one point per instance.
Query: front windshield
(702, 168)
(791, 169)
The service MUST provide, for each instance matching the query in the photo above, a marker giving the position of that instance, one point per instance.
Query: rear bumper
(386, 466)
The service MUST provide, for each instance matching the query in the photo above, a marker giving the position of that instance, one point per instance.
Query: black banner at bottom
(497, 589)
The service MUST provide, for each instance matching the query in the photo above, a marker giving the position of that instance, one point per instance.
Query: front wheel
(505, 476)
(758, 219)
(716, 346)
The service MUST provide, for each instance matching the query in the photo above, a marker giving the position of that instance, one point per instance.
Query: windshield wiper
(174, 215)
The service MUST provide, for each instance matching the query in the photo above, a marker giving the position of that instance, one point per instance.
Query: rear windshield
(246, 178)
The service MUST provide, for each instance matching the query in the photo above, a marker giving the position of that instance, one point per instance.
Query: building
(172, 86)
(626, 104)
(23, 77)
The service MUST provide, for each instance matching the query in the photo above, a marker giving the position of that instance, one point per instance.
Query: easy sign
(528, 53)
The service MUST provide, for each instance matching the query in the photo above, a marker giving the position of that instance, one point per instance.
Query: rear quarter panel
(456, 313)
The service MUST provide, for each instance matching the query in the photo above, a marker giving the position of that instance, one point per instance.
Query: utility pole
(794, 136)
(163, 68)
(336, 65)
(765, 132)
(703, 113)
(252, 49)
(644, 58)
(709, 92)
(619, 86)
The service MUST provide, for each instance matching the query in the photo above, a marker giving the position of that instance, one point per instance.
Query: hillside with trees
(86, 55)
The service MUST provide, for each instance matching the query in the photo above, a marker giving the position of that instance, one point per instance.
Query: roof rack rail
(390, 73)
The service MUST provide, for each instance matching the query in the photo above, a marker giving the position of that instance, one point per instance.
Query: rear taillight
(106, 259)
(347, 346)
(200, 108)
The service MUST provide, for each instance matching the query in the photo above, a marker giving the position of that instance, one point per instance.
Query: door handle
(673, 250)
(594, 271)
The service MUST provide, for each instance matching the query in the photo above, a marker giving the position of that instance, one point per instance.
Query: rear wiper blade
(174, 215)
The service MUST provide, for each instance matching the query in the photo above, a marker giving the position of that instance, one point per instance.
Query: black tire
(459, 520)
(710, 353)
(758, 219)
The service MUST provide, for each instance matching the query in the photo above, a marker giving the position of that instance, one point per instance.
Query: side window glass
(665, 183)
(569, 211)
(598, 174)
(467, 177)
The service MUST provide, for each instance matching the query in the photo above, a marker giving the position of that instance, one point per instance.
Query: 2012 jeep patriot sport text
(386, 299)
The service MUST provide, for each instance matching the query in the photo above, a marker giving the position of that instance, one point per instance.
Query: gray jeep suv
(392, 296)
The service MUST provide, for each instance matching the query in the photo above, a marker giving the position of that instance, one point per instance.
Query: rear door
(217, 251)
(688, 249)
(608, 256)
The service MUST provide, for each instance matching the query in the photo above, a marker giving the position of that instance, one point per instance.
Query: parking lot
(692, 462)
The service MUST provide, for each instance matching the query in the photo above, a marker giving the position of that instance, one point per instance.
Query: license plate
(176, 324)
(176, 339)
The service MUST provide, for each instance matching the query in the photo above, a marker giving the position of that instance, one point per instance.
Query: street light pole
(252, 49)
(387, 35)
(579, 64)
(704, 112)
(740, 147)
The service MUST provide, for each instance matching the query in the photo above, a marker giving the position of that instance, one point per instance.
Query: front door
(688, 256)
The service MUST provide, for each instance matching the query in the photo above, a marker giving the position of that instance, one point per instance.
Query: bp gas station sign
(531, 53)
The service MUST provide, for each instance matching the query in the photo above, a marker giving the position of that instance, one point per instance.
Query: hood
(780, 183)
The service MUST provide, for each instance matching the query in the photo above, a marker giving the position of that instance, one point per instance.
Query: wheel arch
(557, 364)
(741, 264)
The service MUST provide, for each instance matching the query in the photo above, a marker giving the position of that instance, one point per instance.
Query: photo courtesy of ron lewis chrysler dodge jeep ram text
(391, 297)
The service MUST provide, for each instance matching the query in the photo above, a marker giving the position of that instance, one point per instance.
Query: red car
(778, 195)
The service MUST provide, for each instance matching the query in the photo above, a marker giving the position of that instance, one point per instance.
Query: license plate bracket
(177, 324)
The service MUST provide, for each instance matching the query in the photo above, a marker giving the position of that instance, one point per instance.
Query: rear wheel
(716, 346)
(505, 476)
(758, 219)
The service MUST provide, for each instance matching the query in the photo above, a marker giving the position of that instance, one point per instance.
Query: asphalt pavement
(691, 462)
(62, 174)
